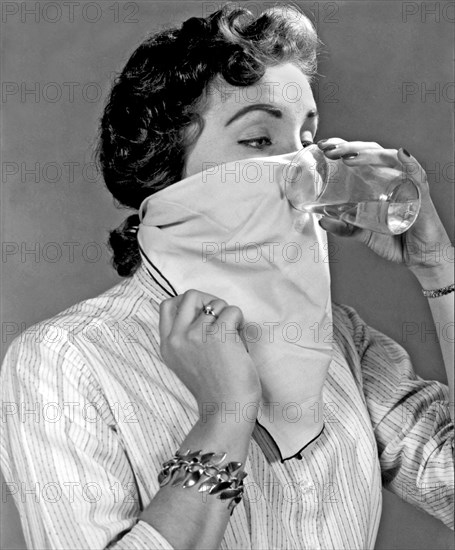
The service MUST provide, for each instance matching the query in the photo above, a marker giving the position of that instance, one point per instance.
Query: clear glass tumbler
(374, 197)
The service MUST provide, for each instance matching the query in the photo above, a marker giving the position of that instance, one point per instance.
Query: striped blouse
(90, 412)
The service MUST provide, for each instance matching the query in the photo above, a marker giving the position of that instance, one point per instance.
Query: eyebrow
(273, 111)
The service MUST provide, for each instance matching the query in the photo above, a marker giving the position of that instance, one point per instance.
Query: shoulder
(350, 328)
(380, 358)
(66, 342)
(366, 348)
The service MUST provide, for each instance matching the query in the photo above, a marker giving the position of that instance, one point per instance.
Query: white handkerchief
(230, 231)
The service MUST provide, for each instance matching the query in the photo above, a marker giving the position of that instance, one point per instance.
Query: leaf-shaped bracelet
(189, 468)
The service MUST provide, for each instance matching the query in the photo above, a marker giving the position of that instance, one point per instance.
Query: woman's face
(272, 117)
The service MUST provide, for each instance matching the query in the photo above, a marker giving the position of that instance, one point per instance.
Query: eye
(307, 143)
(256, 143)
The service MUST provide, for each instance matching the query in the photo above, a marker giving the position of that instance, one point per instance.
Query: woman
(164, 372)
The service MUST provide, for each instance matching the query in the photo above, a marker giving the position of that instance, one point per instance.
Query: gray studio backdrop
(386, 77)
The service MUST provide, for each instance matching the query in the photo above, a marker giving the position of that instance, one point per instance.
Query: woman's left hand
(425, 242)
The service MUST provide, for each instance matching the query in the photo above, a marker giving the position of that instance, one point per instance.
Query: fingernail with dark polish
(330, 148)
(406, 152)
(349, 156)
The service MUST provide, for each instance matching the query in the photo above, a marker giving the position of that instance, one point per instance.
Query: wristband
(438, 292)
(189, 468)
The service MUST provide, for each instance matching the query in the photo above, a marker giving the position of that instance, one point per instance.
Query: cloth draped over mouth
(230, 231)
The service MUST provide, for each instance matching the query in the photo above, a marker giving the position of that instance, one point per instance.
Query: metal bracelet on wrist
(438, 292)
(189, 468)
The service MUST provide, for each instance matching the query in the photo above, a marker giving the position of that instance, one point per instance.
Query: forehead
(283, 86)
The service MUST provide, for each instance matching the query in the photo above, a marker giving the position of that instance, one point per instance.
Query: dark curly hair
(159, 97)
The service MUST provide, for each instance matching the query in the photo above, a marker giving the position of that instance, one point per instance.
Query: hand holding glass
(374, 197)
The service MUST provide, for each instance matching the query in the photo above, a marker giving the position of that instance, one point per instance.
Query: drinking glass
(374, 197)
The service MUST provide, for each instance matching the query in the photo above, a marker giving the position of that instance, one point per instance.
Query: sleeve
(411, 421)
(62, 455)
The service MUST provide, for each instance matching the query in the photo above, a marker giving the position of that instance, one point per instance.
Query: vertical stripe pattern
(90, 412)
